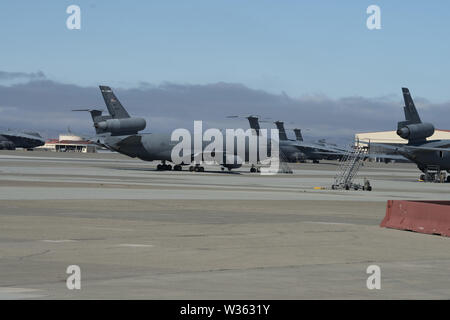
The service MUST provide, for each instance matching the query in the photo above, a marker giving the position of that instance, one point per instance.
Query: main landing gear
(433, 173)
(167, 167)
(196, 168)
(433, 177)
(163, 167)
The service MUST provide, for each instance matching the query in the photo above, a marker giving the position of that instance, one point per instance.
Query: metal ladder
(349, 167)
(284, 167)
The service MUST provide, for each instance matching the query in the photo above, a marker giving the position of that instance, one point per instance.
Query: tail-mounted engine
(416, 131)
(121, 126)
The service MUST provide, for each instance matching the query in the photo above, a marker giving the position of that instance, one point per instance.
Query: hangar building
(391, 137)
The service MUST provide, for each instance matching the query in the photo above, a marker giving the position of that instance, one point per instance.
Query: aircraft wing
(426, 148)
(130, 140)
(319, 147)
(97, 140)
(385, 156)
(14, 134)
(368, 155)
(330, 153)
(404, 148)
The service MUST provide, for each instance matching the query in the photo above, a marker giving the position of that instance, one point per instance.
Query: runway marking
(59, 241)
(108, 228)
(327, 223)
(135, 245)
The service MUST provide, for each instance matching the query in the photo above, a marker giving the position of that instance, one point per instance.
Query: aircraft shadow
(183, 171)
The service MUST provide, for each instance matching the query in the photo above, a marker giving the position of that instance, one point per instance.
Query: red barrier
(431, 217)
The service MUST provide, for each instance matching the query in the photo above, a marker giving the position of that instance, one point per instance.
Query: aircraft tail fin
(411, 114)
(298, 134)
(115, 108)
(254, 124)
(281, 131)
(413, 129)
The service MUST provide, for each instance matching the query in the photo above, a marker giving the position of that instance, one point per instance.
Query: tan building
(69, 143)
(391, 137)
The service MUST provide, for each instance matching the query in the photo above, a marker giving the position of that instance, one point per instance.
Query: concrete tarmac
(137, 233)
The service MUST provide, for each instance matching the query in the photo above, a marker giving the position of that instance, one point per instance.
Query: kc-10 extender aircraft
(429, 155)
(120, 132)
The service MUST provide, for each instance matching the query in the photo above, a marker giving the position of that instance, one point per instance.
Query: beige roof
(392, 137)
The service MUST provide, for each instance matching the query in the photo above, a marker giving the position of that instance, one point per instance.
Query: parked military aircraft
(10, 140)
(339, 152)
(298, 134)
(288, 148)
(120, 132)
(320, 150)
(431, 156)
(298, 150)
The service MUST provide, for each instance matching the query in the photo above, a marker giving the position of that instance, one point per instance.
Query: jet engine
(417, 131)
(122, 126)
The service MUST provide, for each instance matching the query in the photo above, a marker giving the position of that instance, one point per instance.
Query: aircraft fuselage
(157, 146)
(429, 158)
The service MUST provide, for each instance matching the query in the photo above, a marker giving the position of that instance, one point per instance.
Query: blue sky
(300, 47)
